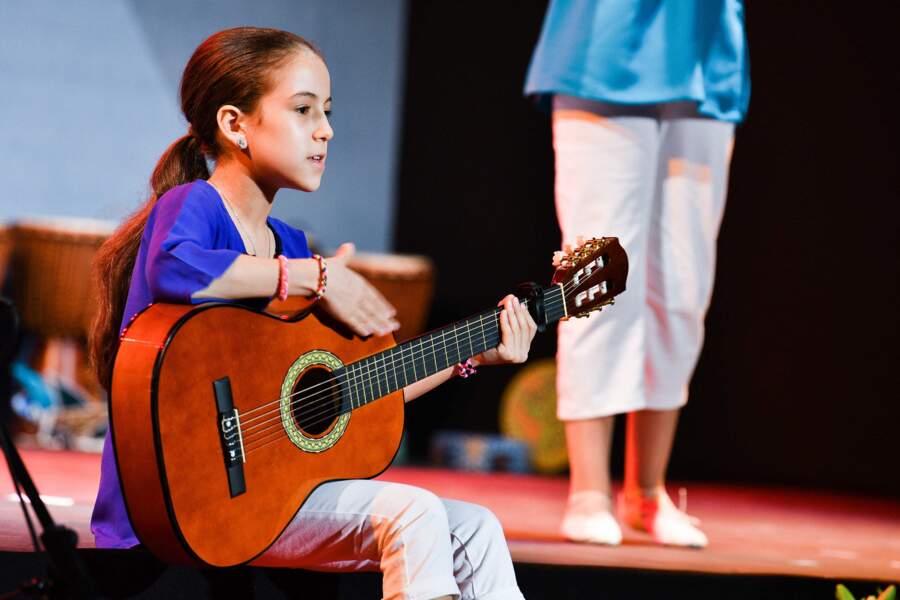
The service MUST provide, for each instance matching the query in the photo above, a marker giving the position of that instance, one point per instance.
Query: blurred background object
(407, 281)
(528, 414)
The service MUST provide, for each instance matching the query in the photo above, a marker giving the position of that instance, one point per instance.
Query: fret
(377, 377)
(348, 386)
(403, 364)
(376, 384)
(366, 364)
(340, 377)
(483, 338)
(447, 362)
(469, 338)
(363, 374)
(396, 360)
(353, 383)
(433, 354)
(393, 369)
(412, 356)
(420, 356)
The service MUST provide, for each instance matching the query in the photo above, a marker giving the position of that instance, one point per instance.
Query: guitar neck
(381, 374)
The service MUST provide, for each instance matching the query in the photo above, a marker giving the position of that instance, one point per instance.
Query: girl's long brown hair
(229, 67)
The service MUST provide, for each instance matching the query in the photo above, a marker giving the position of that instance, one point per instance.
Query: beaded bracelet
(282, 292)
(323, 275)
(464, 369)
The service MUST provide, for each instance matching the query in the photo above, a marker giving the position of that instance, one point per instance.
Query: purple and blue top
(189, 241)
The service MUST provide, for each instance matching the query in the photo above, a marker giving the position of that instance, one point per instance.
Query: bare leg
(645, 503)
(588, 442)
(588, 516)
(648, 445)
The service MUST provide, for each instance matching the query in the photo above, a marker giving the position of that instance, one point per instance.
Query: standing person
(257, 103)
(645, 95)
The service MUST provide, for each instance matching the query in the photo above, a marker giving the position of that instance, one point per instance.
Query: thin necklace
(232, 212)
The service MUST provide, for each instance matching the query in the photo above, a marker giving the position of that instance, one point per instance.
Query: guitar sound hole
(316, 401)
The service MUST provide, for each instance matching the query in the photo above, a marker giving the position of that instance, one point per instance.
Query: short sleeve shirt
(645, 52)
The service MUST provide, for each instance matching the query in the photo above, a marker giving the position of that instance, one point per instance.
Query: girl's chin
(307, 184)
(303, 181)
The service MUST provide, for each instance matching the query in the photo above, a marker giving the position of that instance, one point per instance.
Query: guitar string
(552, 304)
(260, 434)
(258, 430)
(367, 374)
(264, 437)
(364, 374)
(254, 434)
(276, 433)
(378, 372)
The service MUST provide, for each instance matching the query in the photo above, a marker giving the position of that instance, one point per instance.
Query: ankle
(589, 501)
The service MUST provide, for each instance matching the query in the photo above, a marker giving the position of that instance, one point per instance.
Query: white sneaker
(588, 519)
(659, 517)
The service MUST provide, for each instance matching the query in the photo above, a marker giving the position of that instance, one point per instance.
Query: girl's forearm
(255, 277)
(414, 390)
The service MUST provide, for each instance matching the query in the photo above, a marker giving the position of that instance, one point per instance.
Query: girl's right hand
(353, 300)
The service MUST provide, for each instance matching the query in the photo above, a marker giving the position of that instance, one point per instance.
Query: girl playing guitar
(257, 102)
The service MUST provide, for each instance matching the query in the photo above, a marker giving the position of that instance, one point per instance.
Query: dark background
(797, 382)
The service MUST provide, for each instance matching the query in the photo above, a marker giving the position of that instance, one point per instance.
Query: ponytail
(182, 162)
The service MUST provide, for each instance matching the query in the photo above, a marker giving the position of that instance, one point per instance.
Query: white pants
(657, 181)
(425, 546)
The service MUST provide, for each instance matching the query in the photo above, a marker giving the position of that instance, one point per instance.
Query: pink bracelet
(323, 275)
(282, 278)
(464, 369)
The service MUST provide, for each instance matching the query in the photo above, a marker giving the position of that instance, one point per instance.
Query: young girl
(257, 103)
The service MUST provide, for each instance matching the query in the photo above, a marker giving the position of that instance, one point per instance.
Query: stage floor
(752, 530)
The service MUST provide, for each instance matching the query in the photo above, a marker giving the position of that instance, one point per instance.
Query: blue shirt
(645, 52)
(189, 241)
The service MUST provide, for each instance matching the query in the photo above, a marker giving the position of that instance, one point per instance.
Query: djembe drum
(52, 282)
(406, 281)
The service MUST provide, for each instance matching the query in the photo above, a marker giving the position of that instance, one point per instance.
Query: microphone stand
(67, 577)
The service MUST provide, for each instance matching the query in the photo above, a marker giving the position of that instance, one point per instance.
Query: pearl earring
(242, 143)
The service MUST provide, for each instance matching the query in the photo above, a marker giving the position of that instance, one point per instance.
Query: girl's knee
(473, 523)
(407, 507)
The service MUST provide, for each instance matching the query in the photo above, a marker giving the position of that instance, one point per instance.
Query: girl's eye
(302, 110)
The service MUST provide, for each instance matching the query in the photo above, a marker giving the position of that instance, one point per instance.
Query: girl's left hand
(517, 329)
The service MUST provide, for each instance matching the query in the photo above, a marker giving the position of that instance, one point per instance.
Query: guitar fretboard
(381, 374)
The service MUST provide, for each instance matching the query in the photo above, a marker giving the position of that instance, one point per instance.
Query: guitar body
(168, 441)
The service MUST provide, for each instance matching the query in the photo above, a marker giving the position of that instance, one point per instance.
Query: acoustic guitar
(225, 419)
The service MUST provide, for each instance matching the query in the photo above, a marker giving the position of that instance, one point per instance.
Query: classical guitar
(224, 419)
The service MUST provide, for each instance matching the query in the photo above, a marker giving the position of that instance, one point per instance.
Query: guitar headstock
(592, 275)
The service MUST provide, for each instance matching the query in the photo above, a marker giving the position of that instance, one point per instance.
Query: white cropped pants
(425, 546)
(656, 179)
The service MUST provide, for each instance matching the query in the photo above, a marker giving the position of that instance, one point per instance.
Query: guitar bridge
(229, 426)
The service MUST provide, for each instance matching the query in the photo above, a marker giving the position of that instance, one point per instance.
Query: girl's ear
(231, 125)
